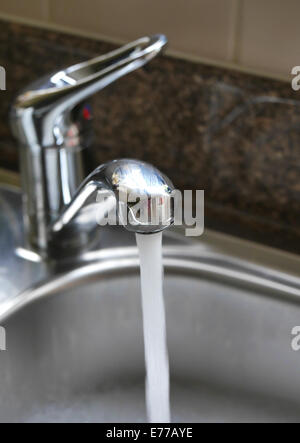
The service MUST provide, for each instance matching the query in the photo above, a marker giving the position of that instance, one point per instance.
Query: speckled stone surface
(234, 135)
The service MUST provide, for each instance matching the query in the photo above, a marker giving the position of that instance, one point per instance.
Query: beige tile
(33, 9)
(200, 27)
(270, 35)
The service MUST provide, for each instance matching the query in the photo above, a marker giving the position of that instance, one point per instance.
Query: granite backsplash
(235, 135)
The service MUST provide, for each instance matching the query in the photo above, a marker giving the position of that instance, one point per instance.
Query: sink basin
(76, 353)
(75, 343)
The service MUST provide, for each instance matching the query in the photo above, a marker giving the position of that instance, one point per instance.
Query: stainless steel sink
(75, 345)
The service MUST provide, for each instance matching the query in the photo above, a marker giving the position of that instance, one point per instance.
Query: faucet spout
(140, 193)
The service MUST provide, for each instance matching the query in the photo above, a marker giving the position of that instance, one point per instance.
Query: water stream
(154, 321)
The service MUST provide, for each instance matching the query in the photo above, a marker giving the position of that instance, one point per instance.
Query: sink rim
(191, 262)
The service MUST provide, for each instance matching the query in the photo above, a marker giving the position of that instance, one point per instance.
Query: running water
(156, 353)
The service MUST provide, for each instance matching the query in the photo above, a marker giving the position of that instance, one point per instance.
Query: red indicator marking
(86, 113)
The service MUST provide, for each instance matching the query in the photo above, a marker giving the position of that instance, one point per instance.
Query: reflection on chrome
(134, 180)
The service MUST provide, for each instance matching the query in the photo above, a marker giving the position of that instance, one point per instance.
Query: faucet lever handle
(76, 83)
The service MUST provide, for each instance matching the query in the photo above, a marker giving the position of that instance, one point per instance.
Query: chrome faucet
(50, 119)
(124, 182)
